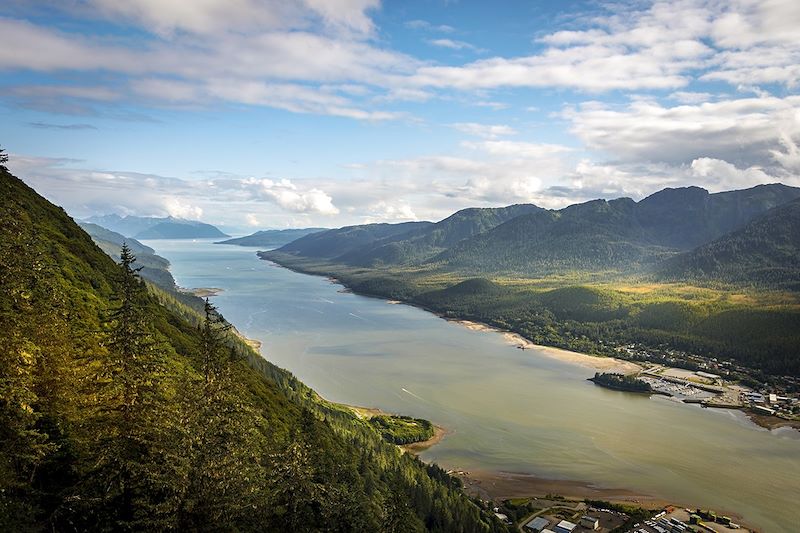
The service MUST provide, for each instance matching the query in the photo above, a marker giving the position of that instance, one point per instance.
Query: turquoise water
(507, 409)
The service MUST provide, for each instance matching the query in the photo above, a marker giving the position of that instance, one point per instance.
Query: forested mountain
(765, 252)
(153, 267)
(157, 228)
(122, 409)
(612, 235)
(687, 217)
(337, 242)
(426, 242)
(596, 236)
(273, 237)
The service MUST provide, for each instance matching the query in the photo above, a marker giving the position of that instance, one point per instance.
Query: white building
(564, 527)
(590, 522)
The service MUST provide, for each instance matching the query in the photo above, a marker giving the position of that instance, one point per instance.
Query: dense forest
(764, 253)
(620, 382)
(127, 407)
(271, 238)
(402, 429)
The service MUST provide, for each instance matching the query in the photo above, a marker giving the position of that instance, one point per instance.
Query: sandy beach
(417, 447)
(504, 485)
(603, 364)
(204, 292)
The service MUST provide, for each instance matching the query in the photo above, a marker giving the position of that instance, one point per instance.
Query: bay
(506, 409)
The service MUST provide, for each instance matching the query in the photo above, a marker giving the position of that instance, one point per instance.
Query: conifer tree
(225, 479)
(135, 459)
(24, 445)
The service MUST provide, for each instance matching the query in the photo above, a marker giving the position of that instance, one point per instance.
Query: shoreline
(415, 448)
(203, 292)
(506, 485)
(596, 362)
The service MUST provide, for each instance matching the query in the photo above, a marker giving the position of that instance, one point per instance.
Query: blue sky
(266, 113)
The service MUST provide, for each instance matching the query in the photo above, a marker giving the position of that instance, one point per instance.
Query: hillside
(272, 238)
(124, 409)
(157, 228)
(154, 267)
(598, 236)
(620, 235)
(428, 241)
(765, 252)
(337, 242)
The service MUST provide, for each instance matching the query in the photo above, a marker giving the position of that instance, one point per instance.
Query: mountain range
(271, 238)
(154, 267)
(156, 227)
(622, 236)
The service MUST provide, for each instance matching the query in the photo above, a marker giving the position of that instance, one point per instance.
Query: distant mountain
(688, 217)
(272, 238)
(428, 241)
(154, 267)
(333, 243)
(612, 235)
(619, 235)
(766, 251)
(157, 228)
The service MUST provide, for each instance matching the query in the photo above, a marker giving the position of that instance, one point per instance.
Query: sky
(255, 114)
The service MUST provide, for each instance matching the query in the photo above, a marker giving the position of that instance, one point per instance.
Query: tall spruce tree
(135, 469)
(225, 444)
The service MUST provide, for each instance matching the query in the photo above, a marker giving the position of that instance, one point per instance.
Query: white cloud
(178, 209)
(425, 25)
(742, 131)
(384, 211)
(655, 48)
(453, 44)
(518, 148)
(213, 16)
(284, 65)
(717, 175)
(252, 220)
(688, 97)
(287, 195)
(487, 131)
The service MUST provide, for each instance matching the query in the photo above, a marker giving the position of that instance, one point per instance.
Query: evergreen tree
(24, 445)
(135, 464)
(224, 445)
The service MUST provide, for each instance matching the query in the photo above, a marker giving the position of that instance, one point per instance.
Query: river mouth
(507, 410)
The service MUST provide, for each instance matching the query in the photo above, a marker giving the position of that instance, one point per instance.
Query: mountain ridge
(156, 227)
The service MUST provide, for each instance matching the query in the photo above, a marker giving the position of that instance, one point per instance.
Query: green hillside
(153, 267)
(272, 238)
(429, 241)
(617, 235)
(600, 236)
(766, 252)
(337, 242)
(121, 408)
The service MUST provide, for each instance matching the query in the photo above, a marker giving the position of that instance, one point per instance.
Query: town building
(590, 522)
(565, 527)
(537, 524)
